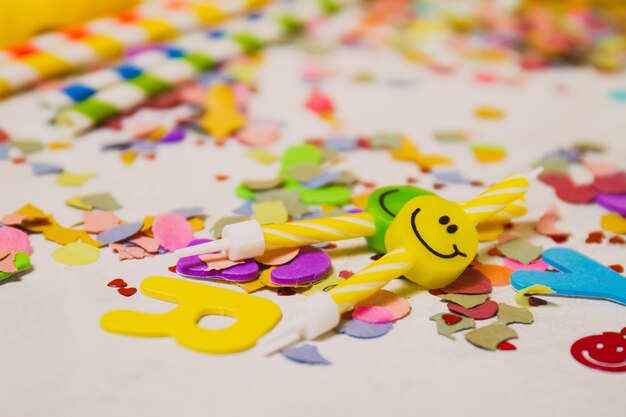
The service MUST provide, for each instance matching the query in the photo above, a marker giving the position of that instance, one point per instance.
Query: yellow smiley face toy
(440, 235)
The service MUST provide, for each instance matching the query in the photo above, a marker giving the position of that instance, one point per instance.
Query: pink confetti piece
(13, 219)
(128, 252)
(484, 311)
(278, 256)
(14, 239)
(7, 261)
(146, 242)
(599, 169)
(98, 222)
(259, 134)
(471, 281)
(546, 224)
(536, 265)
(399, 306)
(172, 231)
(217, 261)
(374, 314)
(318, 102)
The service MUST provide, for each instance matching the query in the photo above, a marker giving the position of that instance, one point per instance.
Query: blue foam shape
(580, 276)
(128, 72)
(79, 92)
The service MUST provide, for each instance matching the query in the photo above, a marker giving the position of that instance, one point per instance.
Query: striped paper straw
(23, 71)
(199, 55)
(371, 279)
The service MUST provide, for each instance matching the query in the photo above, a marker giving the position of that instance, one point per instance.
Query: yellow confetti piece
(69, 179)
(360, 200)
(410, 152)
(324, 285)
(196, 223)
(147, 226)
(262, 156)
(264, 278)
(77, 253)
(251, 286)
(62, 235)
(270, 212)
(489, 231)
(488, 112)
(77, 202)
(489, 153)
(612, 222)
(222, 116)
(57, 145)
(128, 157)
(36, 220)
(521, 296)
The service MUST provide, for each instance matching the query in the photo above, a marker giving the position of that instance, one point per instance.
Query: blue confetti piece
(451, 177)
(128, 72)
(119, 232)
(341, 144)
(120, 146)
(570, 155)
(618, 95)
(363, 330)
(78, 92)
(245, 209)
(216, 34)
(42, 168)
(322, 180)
(188, 212)
(306, 354)
(4, 151)
(144, 146)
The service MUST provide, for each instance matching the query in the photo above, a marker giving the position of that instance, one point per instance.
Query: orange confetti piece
(499, 275)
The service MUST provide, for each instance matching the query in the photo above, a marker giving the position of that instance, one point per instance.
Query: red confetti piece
(117, 283)
(611, 184)
(566, 190)
(411, 180)
(19, 160)
(617, 268)
(172, 268)
(346, 274)
(286, 291)
(4, 136)
(221, 177)
(471, 281)
(595, 237)
(617, 240)
(506, 346)
(368, 184)
(128, 291)
(451, 319)
(318, 102)
(536, 302)
(486, 310)
(495, 252)
(439, 186)
(363, 143)
(477, 184)
(376, 257)
(559, 238)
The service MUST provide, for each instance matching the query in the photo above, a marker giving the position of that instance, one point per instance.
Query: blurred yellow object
(21, 19)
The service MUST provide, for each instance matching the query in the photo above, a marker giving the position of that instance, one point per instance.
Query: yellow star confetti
(69, 179)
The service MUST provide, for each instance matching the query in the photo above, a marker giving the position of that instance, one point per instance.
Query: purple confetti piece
(119, 232)
(194, 267)
(4, 151)
(364, 330)
(307, 354)
(310, 265)
(188, 212)
(44, 168)
(613, 202)
(341, 144)
(245, 209)
(322, 180)
(173, 136)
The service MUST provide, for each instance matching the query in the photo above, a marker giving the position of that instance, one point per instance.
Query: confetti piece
(261, 185)
(595, 237)
(555, 164)
(465, 300)
(251, 286)
(28, 146)
(62, 235)
(311, 264)
(259, 134)
(225, 221)
(499, 276)
(7, 261)
(408, 151)
(546, 224)
(506, 346)
(77, 202)
(172, 231)
(222, 117)
(508, 314)
(489, 112)
(613, 202)
(278, 256)
(522, 296)
(536, 265)
(41, 168)
(270, 212)
(120, 232)
(451, 136)
(145, 242)
(450, 177)
(322, 180)
(21, 262)
(566, 190)
(318, 102)
(399, 306)
(76, 254)
(307, 354)
(471, 281)
(12, 239)
(217, 261)
(305, 172)
(188, 212)
(387, 140)
(101, 201)
(325, 285)
(363, 330)
(489, 337)
(373, 314)
(128, 252)
(117, 283)
(127, 291)
(482, 312)
(614, 183)
(447, 324)
(99, 222)
(263, 156)
(489, 153)
(69, 179)
(520, 250)
(599, 169)
(13, 219)
(611, 222)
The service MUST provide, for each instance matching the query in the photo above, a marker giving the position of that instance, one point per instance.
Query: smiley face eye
(444, 220)
(619, 349)
(452, 228)
(599, 346)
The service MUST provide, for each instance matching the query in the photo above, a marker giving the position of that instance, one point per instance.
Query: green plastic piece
(337, 195)
(248, 42)
(150, 85)
(291, 24)
(383, 204)
(200, 62)
(21, 262)
(98, 111)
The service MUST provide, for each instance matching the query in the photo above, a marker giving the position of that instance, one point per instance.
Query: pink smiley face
(606, 351)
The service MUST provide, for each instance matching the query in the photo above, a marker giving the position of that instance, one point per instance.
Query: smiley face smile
(454, 254)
